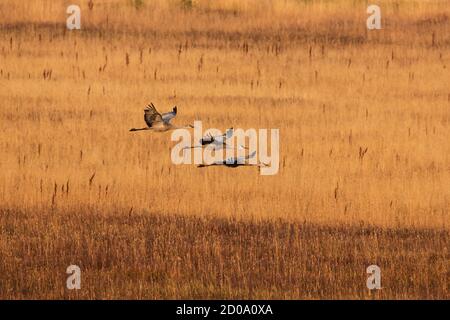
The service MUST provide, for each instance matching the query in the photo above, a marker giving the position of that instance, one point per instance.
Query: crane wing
(152, 116)
(219, 140)
(229, 133)
(242, 159)
(166, 117)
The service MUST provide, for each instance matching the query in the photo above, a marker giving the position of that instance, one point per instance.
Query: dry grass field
(77, 188)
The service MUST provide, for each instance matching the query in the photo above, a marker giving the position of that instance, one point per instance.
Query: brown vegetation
(364, 120)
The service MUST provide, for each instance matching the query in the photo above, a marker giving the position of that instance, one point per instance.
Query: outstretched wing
(166, 117)
(219, 140)
(242, 159)
(228, 134)
(151, 116)
(251, 155)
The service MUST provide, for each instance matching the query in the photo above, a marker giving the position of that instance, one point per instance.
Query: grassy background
(311, 69)
(140, 256)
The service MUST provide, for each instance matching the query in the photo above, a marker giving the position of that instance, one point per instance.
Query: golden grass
(68, 98)
(142, 256)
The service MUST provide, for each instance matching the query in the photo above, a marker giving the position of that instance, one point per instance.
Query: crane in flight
(218, 141)
(234, 162)
(159, 122)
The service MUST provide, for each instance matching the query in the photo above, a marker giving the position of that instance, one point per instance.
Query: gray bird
(159, 122)
(234, 162)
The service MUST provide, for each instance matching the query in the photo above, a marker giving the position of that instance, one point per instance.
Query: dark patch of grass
(158, 256)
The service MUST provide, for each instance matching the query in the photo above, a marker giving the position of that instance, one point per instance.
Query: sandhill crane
(234, 162)
(218, 141)
(159, 122)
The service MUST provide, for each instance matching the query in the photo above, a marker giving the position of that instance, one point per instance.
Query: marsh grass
(364, 121)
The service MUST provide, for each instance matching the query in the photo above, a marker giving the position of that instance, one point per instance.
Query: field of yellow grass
(77, 188)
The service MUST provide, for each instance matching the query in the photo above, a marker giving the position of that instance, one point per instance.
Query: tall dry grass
(147, 256)
(333, 88)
